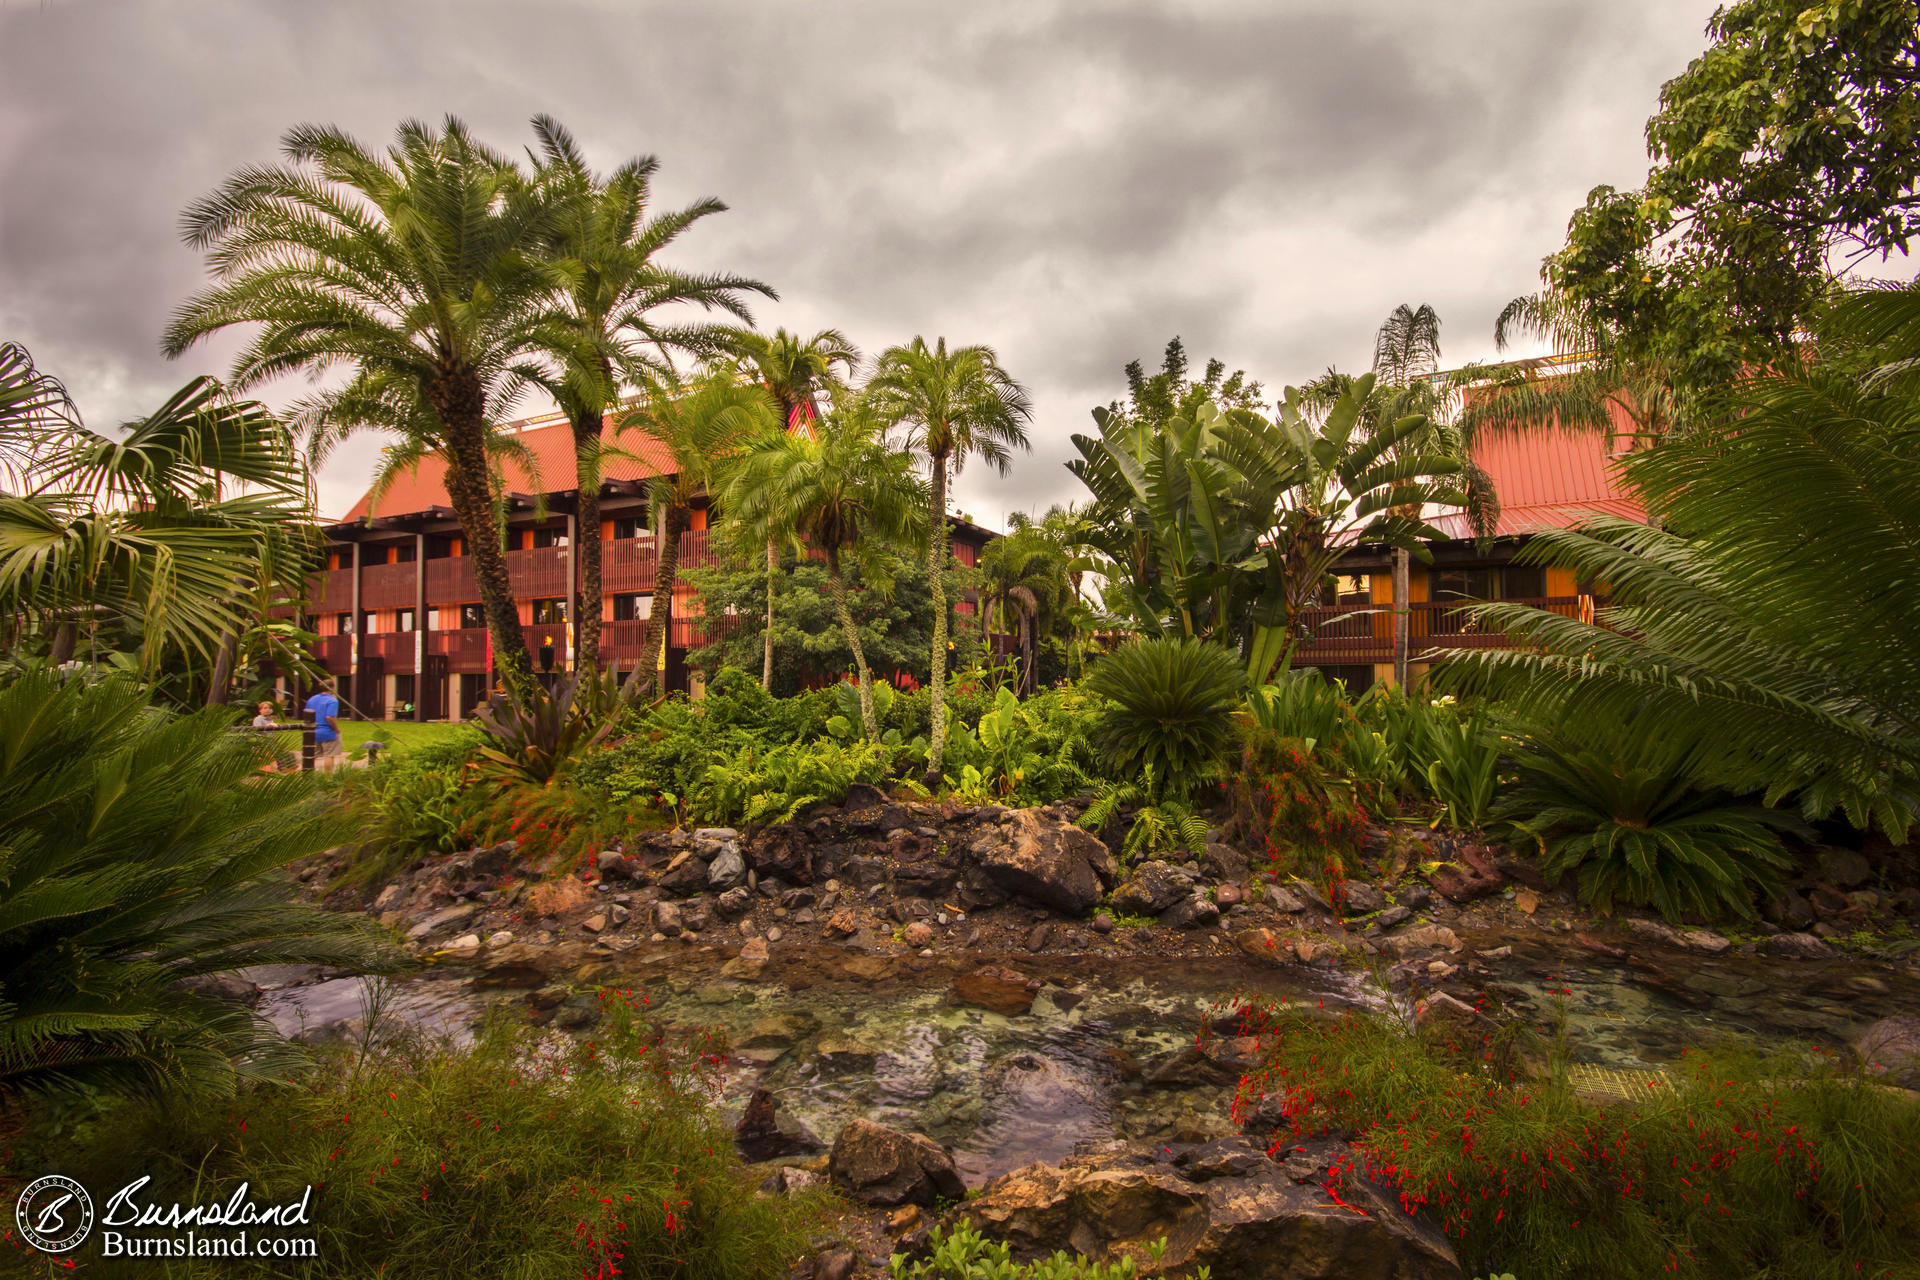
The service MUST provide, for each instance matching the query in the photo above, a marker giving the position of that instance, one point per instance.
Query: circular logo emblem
(54, 1214)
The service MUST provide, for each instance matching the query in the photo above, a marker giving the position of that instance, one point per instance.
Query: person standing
(324, 706)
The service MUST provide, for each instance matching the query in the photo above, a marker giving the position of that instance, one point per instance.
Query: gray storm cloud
(1071, 183)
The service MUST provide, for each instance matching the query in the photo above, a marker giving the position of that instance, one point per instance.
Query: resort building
(398, 612)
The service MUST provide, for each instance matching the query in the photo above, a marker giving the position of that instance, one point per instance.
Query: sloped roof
(549, 439)
(1551, 479)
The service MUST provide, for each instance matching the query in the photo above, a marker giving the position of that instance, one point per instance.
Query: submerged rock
(995, 989)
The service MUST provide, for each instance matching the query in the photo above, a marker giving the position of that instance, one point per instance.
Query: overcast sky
(1070, 183)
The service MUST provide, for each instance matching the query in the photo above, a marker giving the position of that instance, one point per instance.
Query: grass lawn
(400, 733)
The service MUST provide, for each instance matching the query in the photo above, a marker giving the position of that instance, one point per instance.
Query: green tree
(955, 405)
(1170, 393)
(1787, 150)
(423, 270)
(610, 290)
(843, 491)
(699, 425)
(139, 859)
(1023, 583)
(794, 371)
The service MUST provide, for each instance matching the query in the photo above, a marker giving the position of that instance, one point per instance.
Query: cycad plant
(139, 857)
(1171, 713)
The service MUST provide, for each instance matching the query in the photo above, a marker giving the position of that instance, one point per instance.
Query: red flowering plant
(1307, 818)
(1725, 1164)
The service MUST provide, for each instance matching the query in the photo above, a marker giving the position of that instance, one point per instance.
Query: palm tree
(955, 405)
(700, 425)
(1023, 579)
(423, 270)
(793, 371)
(842, 489)
(610, 288)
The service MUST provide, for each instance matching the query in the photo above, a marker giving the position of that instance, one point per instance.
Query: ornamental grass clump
(529, 1155)
(1728, 1164)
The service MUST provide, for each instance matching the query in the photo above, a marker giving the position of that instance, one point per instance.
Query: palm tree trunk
(766, 658)
(586, 628)
(837, 588)
(936, 586)
(467, 489)
(660, 612)
(1402, 578)
(64, 635)
(1026, 655)
(223, 662)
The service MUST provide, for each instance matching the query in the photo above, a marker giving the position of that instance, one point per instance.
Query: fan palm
(138, 860)
(794, 371)
(1751, 633)
(845, 492)
(423, 270)
(700, 425)
(955, 405)
(603, 249)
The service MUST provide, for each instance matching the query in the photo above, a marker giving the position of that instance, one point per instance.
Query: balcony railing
(1359, 633)
(394, 650)
(387, 586)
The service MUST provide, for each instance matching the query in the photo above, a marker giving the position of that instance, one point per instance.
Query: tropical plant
(137, 533)
(609, 294)
(423, 271)
(841, 490)
(778, 782)
(698, 426)
(1023, 584)
(416, 799)
(1620, 812)
(1172, 711)
(1156, 398)
(1024, 753)
(954, 405)
(539, 736)
(962, 1253)
(795, 372)
(1301, 704)
(1303, 815)
(1166, 826)
(1745, 629)
(138, 859)
(1462, 772)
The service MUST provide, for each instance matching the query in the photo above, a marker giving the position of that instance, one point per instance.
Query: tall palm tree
(842, 489)
(610, 292)
(423, 269)
(794, 371)
(1023, 580)
(954, 405)
(700, 425)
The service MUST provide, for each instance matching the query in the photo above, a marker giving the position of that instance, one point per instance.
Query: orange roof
(549, 439)
(1551, 479)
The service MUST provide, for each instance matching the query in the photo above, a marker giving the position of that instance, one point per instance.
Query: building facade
(397, 609)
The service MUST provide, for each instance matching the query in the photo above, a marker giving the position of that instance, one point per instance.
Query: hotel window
(343, 624)
(625, 527)
(549, 537)
(549, 613)
(403, 620)
(1466, 584)
(632, 608)
(472, 616)
(1347, 588)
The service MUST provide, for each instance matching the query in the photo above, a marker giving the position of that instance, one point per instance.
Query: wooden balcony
(388, 586)
(450, 581)
(465, 648)
(626, 566)
(538, 573)
(1363, 633)
(333, 591)
(394, 650)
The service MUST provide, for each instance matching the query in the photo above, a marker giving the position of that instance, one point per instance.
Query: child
(265, 719)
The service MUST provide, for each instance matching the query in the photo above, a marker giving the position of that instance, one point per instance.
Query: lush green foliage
(415, 799)
(1306, 818)
(1618, 810)
(1462, 769)
(1025, 753)
(538, 735)
(1728, 1167)
(964, 1254)
(139, 854)
(776, 783)
(519, 1157)
(1172, 711)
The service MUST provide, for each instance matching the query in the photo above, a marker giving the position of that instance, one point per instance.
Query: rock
(863, 796)
(230, 987)
(1827, 901)
(1526, 901)
(1705, 940)
(1890, 1050)
(925, 880)
(1473, 876)
(1229, 895)
(1103, 923)
(685, 876)
(1845, 868)
(614, 865)
(594, 923)
(728, 870)
(764, 1134)
(1151, 889)
(1308, 893)
(734, 903)
(882, 1167)
(466, 944)
(667, 919)
(1188, 1068)
(1283, 900)
(1414, 897)
(1037, 936)
(388, 898)
(782, 851)
(1421, 937)
(843, 923)
(1249, 1220)
(842, 1053)
(444, 919)
(1194, 912)
(1795, 946)
(1789, 909)
(835, 1264)
(1363, 899)
(1046, 860)
(867, 873)
(1261, 944)
(998, 990)
(1655, 931)
(917, 934)
(1224, 862)
(1443, 1010)
(521, 964)
(1393, 916)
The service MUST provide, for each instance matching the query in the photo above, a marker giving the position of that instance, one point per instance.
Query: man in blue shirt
(325, 709)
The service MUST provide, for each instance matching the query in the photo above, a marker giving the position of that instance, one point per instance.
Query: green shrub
(141, 851)
(412, 804)
(964, 1254)
(1307, 819)
(1732, 1166)
(1620, 811)
(526, 1156)
(1463, 773)
(1173, 705)
(1025, 753)
(1301, 704)
(541, 735)
(774, 784)
(1167, 826)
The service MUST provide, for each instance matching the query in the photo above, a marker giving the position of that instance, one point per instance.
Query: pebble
(775, 934)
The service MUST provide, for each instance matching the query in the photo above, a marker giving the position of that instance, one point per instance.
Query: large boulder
(783, 851)
(882, 1167)
(1151, 889)
(1047, 860)
(685, 876)
(1223, 1205)
(1890, 1050)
